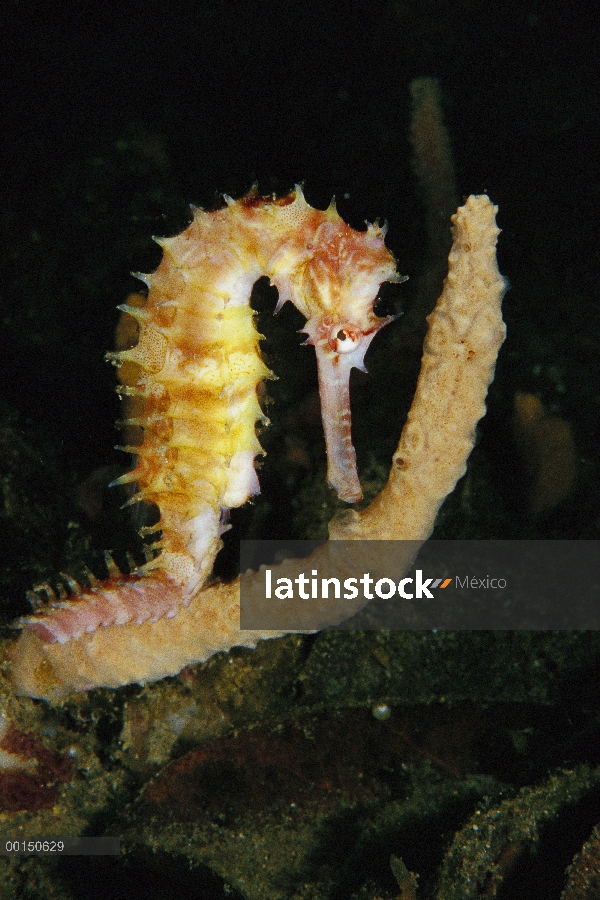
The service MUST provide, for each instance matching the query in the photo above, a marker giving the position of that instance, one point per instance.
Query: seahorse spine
(189, 385)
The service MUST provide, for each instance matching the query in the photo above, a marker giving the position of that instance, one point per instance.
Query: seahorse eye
(343, 339)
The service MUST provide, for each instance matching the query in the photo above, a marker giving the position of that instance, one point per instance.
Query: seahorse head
(332, 274)
(338, 286)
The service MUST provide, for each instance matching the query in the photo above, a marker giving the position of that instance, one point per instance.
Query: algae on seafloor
(244, 766)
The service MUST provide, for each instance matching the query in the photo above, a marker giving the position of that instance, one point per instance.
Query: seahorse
(189, 386)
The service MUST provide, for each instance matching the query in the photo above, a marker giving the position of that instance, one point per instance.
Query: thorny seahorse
(190, 385)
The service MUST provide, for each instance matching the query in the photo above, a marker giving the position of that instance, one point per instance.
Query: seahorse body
(189, 385)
